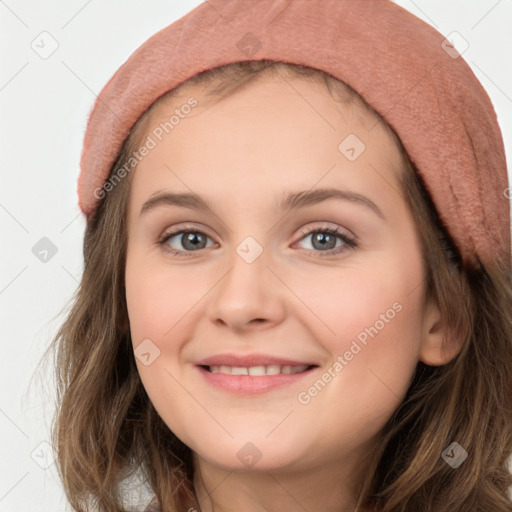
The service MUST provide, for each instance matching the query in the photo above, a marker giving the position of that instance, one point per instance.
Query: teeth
(236, 370)
(272, 369)
(256, 370)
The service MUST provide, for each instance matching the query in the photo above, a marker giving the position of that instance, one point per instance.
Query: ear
(439, 345)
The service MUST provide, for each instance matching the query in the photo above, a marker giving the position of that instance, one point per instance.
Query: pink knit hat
(406, 70)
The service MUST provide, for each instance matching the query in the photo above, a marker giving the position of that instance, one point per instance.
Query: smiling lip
(250, 360)
(250, 384)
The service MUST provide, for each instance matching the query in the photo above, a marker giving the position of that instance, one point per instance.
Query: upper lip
(250, 360)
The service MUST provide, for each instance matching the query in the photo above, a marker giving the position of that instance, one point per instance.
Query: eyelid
(180, 229)
(328, 228)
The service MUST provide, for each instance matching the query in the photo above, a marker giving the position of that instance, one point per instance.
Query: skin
(242, 154)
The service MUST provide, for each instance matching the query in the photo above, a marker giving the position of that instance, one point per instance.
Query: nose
(248, 296)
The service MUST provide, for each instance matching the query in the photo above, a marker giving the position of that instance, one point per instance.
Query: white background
(44, 105)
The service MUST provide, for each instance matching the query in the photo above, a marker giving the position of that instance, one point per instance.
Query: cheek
(362, 303)
(372, 362)
(159, 309)
(157, 298)
(371, 324)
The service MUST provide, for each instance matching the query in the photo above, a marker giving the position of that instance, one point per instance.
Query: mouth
(260, 370)
(254, 380)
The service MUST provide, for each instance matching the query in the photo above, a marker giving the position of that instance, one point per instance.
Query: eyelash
(349, 241)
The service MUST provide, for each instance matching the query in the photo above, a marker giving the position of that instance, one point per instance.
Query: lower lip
(251, 384)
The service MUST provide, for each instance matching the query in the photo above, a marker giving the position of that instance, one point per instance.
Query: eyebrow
(291, 201)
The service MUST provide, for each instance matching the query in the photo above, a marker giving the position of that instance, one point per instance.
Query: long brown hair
(105, 428)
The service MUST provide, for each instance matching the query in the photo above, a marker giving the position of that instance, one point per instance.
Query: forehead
(272, 132)
(300, 99)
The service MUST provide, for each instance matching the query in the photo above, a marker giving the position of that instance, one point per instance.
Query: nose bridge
(248, 290)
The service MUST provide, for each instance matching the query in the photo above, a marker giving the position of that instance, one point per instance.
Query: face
(329, 283)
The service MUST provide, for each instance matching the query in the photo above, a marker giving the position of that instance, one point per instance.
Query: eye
(325, 240)
(186, 241)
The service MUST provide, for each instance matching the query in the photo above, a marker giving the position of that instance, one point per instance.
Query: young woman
(296, 293)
